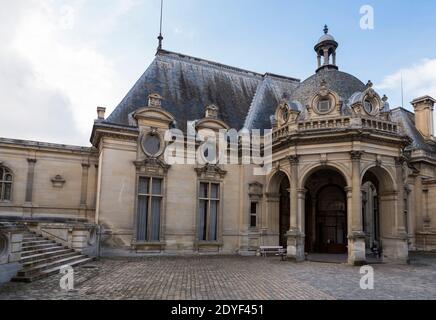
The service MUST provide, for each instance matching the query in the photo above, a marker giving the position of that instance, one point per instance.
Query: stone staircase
(42, 257)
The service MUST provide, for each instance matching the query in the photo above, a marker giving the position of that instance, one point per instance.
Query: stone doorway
(326, 213)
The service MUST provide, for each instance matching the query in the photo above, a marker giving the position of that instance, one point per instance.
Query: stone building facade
(349, 174)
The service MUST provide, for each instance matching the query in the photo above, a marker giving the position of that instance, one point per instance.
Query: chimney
(100, 113)
(424, 122)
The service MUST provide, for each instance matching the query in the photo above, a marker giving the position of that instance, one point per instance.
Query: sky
(60, 59)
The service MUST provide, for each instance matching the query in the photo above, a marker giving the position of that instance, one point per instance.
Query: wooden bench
(277, 250)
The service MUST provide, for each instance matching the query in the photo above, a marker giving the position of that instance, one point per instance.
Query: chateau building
(349, 174)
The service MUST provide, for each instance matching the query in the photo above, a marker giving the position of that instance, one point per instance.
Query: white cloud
(418, 80)
(50, 84)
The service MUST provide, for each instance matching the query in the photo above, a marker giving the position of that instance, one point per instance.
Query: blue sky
(60, 59)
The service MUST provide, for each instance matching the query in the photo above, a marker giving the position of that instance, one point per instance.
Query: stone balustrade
(335, 124)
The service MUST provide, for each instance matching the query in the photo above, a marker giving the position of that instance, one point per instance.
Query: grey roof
(268, 95)
(326, 37)
(407, 121)
(344, 84)
(189, 84)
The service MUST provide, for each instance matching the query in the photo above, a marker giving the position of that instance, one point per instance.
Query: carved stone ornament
(152, 166)
(323, 92)
(356, 155)
(255, 189)
(58, 181)
(210, 171)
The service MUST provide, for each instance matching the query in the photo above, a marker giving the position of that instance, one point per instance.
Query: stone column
(295, 250)
(84, 190)
(356, 236)
(84, 186)
(270, 224)
(396, 247)
(326, 57)
(30, 177)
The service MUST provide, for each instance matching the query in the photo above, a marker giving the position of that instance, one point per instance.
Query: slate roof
(407, 121)
(189, 84)
(344, 84)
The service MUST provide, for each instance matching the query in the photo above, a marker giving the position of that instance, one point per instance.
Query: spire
(326, 29)
(160, 37)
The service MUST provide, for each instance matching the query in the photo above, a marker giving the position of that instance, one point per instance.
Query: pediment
(151, 116)
(213, 124)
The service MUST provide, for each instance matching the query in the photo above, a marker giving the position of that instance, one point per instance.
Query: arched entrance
(382, 213)
(326, 213)
(279, 211)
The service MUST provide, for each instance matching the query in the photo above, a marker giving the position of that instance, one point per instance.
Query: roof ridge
(250, 114)
(202, 61)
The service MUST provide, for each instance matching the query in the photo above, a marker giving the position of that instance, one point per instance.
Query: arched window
(5, 184)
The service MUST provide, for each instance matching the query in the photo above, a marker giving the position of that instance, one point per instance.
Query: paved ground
(233, 278)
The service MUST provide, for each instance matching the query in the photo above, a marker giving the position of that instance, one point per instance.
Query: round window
(151, 143)
(324, 106)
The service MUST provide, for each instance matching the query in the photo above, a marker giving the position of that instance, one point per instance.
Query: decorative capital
(31, 160)
(356, 155)
(294, 159)
(85, 165)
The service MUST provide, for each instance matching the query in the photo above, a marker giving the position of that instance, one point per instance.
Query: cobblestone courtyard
(232, 278)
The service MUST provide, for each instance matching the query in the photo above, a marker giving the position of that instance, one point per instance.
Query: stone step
(29, 247)
(45, 255)
(35, 242)
(49, 272)
(55, 247)
(29, 271)
(60, 255)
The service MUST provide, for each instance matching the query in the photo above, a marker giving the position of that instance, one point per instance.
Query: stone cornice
(117, 132)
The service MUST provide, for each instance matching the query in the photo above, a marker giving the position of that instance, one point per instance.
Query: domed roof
(344, 84)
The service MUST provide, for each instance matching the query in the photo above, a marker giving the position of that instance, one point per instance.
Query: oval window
(369, 107)
(151, 144)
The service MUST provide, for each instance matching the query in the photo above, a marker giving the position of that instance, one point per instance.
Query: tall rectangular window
(253, 214)
(149, 209)
(209, 195)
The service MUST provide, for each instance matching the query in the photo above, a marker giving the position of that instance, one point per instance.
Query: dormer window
(324, 106)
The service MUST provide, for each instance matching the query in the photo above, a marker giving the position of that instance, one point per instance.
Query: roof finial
(160, 38)
(326, 29)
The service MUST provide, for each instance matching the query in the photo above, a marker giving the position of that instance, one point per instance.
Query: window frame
(150, 195)
(209, 200)
(323, 101)
(4, 182)
(256, 214)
